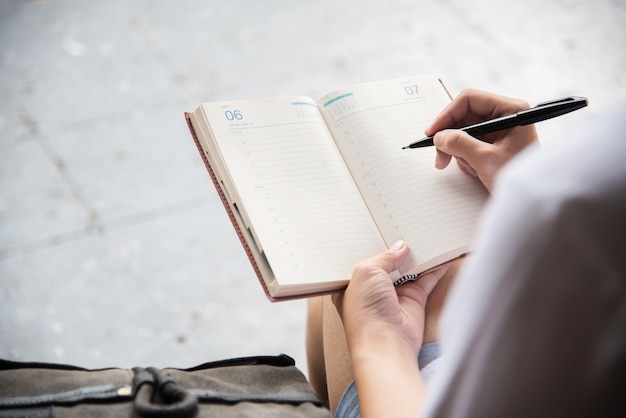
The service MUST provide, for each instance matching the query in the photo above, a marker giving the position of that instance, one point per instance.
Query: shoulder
(586, 162)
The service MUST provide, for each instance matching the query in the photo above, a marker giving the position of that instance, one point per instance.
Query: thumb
(376, 268)
(381, 264)
(454, 143)
(391, 259)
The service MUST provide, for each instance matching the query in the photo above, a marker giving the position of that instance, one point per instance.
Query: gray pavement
(114, 248)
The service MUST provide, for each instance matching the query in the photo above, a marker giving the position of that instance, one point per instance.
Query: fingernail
(398, 245)
(438, 139)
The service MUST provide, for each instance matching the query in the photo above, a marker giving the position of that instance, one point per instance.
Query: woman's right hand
(477, 158)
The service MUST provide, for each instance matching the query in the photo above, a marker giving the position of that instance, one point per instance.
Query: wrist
(377, 341)
(387, 377)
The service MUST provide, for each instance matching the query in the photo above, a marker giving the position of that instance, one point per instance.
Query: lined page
(434, 211)
(293, 189)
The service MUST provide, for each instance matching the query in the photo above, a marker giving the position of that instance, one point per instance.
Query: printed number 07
(411, 90)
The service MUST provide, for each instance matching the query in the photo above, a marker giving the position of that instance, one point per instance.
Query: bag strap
(281, 360)
(159, 396)
(100, 392)
(12, 365)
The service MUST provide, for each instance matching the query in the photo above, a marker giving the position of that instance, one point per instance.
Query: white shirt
(536, 323)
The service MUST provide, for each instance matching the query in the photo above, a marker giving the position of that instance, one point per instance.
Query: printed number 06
(232, 115)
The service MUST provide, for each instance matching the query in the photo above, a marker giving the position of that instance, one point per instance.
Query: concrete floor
(114, 248)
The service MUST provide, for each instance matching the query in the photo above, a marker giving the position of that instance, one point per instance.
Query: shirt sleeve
(534, 325)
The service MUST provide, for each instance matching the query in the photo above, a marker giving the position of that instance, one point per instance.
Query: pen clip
(569, 99)
(550, 109)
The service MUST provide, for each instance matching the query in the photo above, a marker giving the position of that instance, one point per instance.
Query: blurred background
(114, 247)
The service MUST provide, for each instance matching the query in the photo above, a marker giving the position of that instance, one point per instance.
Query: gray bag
(263, 386)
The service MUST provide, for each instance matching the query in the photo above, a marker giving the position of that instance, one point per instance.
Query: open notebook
(314, 187)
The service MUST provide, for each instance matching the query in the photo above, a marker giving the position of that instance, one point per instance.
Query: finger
(465, 166)
(419, 290)
(461, 145)
(482, 103)
(337, 299)
(442, 159)
(447, 118)
(429, 280)
(472, 106)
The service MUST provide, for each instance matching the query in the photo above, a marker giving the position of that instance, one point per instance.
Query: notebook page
(434, 211)
(293, 188)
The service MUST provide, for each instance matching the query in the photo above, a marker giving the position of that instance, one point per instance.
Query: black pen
(542, 111)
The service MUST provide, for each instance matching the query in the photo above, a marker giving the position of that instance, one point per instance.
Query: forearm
(384, 327)
(387, 378)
